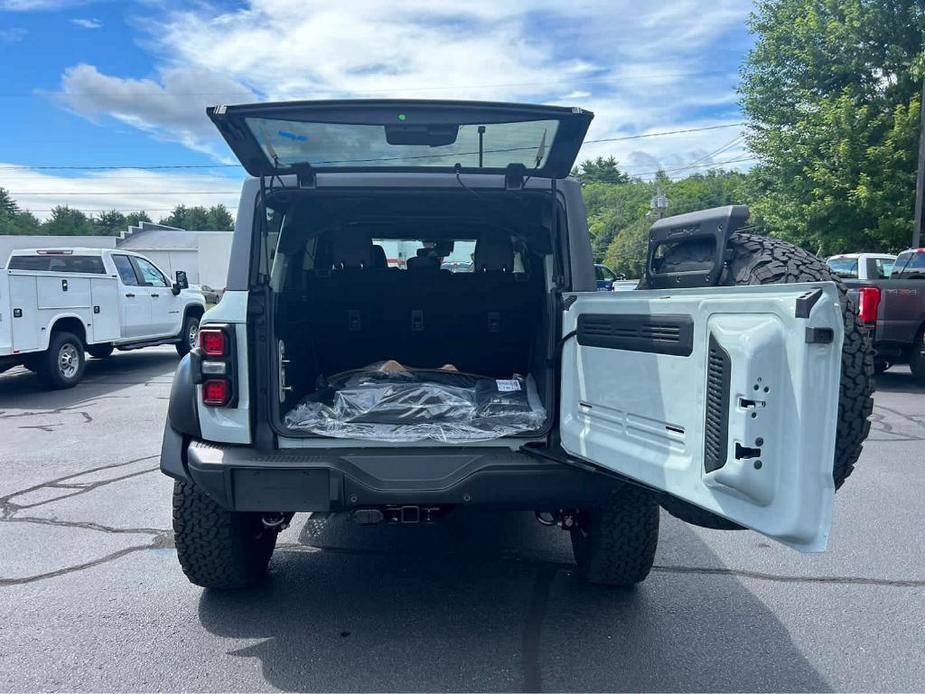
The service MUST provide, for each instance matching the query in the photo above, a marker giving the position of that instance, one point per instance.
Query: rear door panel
(714, 396)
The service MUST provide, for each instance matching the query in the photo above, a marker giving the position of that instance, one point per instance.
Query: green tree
(110, 223)
(220, 219)
(14, 220)
(65, 221)
(600, 170)
(831, 89)
(200, 218)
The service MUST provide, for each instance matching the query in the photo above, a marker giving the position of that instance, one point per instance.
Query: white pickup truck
(57, 304)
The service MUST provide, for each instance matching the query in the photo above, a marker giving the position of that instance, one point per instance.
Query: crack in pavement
(8, 507)
(161, 538)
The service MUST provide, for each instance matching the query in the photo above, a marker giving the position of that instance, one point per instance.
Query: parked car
(325, 384)
(605, 277)
(211, 296)
(57, 304)
(624, 285)
(892, 311)
(861, 266)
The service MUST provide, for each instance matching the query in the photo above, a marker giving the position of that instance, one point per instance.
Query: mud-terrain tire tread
(217, 548)
(766, 260)
(615, 544)
(916, 358)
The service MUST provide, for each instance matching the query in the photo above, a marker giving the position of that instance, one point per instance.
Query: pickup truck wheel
(220, 549)
(62, 364)
(189, 335)
(615, 544)
(99, 351)
(765, 260)
(917, 356)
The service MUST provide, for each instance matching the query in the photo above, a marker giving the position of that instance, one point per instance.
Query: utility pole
(920, 178)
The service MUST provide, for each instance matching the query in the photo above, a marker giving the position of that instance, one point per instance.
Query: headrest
(493, 253)
(352, 249)
(423, 261)
(379, 260)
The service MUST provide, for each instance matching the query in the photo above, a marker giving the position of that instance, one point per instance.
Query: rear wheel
(917, 356)
(217, 548)
(99, 351)
(615, 544)
(62, 365)
(189, 335)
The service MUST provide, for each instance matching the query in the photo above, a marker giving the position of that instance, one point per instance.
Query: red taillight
(869, 304)
(212, 342)
(216, 392)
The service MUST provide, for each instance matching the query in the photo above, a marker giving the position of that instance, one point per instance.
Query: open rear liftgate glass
(724, 397)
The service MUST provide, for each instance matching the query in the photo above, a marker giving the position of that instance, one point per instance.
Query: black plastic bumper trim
(291, 480)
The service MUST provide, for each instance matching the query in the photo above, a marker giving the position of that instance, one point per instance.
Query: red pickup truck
(893, 311)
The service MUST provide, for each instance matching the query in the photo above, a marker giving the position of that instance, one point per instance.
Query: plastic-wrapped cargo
(388, 402)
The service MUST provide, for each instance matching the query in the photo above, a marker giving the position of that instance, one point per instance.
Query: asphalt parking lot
(93, 598)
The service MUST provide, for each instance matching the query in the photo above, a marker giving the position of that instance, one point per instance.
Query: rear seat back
(481, 322)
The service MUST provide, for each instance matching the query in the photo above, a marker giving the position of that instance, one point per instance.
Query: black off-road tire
(50, 365)
(220, 549)
(189, 335)
(917, 356)
(100, 351)
(766, 260)
(615, 544)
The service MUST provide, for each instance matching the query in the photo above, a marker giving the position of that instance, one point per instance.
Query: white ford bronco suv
(411, 327)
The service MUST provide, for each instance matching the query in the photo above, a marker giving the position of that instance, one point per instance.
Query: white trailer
(57, 304)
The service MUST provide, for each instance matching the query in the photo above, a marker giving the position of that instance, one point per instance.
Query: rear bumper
(244, 479)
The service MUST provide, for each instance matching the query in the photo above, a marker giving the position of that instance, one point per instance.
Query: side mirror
(182, 282)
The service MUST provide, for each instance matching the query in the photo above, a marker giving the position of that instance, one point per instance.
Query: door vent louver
(716, 425)
(669, 334)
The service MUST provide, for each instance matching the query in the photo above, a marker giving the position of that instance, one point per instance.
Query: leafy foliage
(67, 221)
(831, 89)
(216, 218)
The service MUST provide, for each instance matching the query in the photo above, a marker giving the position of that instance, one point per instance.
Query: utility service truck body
(55, 304)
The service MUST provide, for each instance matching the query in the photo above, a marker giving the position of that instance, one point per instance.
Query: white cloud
(172, 107)
(126, 190)
(87, 23)
(639, 68)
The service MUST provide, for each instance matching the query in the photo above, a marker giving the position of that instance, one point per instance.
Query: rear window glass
(909, 266)
(345, 145)
(843, 267)
(91, 264)
(884, 267)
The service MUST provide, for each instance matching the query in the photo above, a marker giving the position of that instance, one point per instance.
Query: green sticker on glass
(402, 116)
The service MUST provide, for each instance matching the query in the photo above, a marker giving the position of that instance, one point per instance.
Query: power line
(160, 167)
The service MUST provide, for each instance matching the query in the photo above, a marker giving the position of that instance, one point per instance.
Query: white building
(203, 255)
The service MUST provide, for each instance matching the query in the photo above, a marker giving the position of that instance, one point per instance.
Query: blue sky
(125, 83)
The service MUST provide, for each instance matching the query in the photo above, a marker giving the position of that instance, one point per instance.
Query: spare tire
(765, 260)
